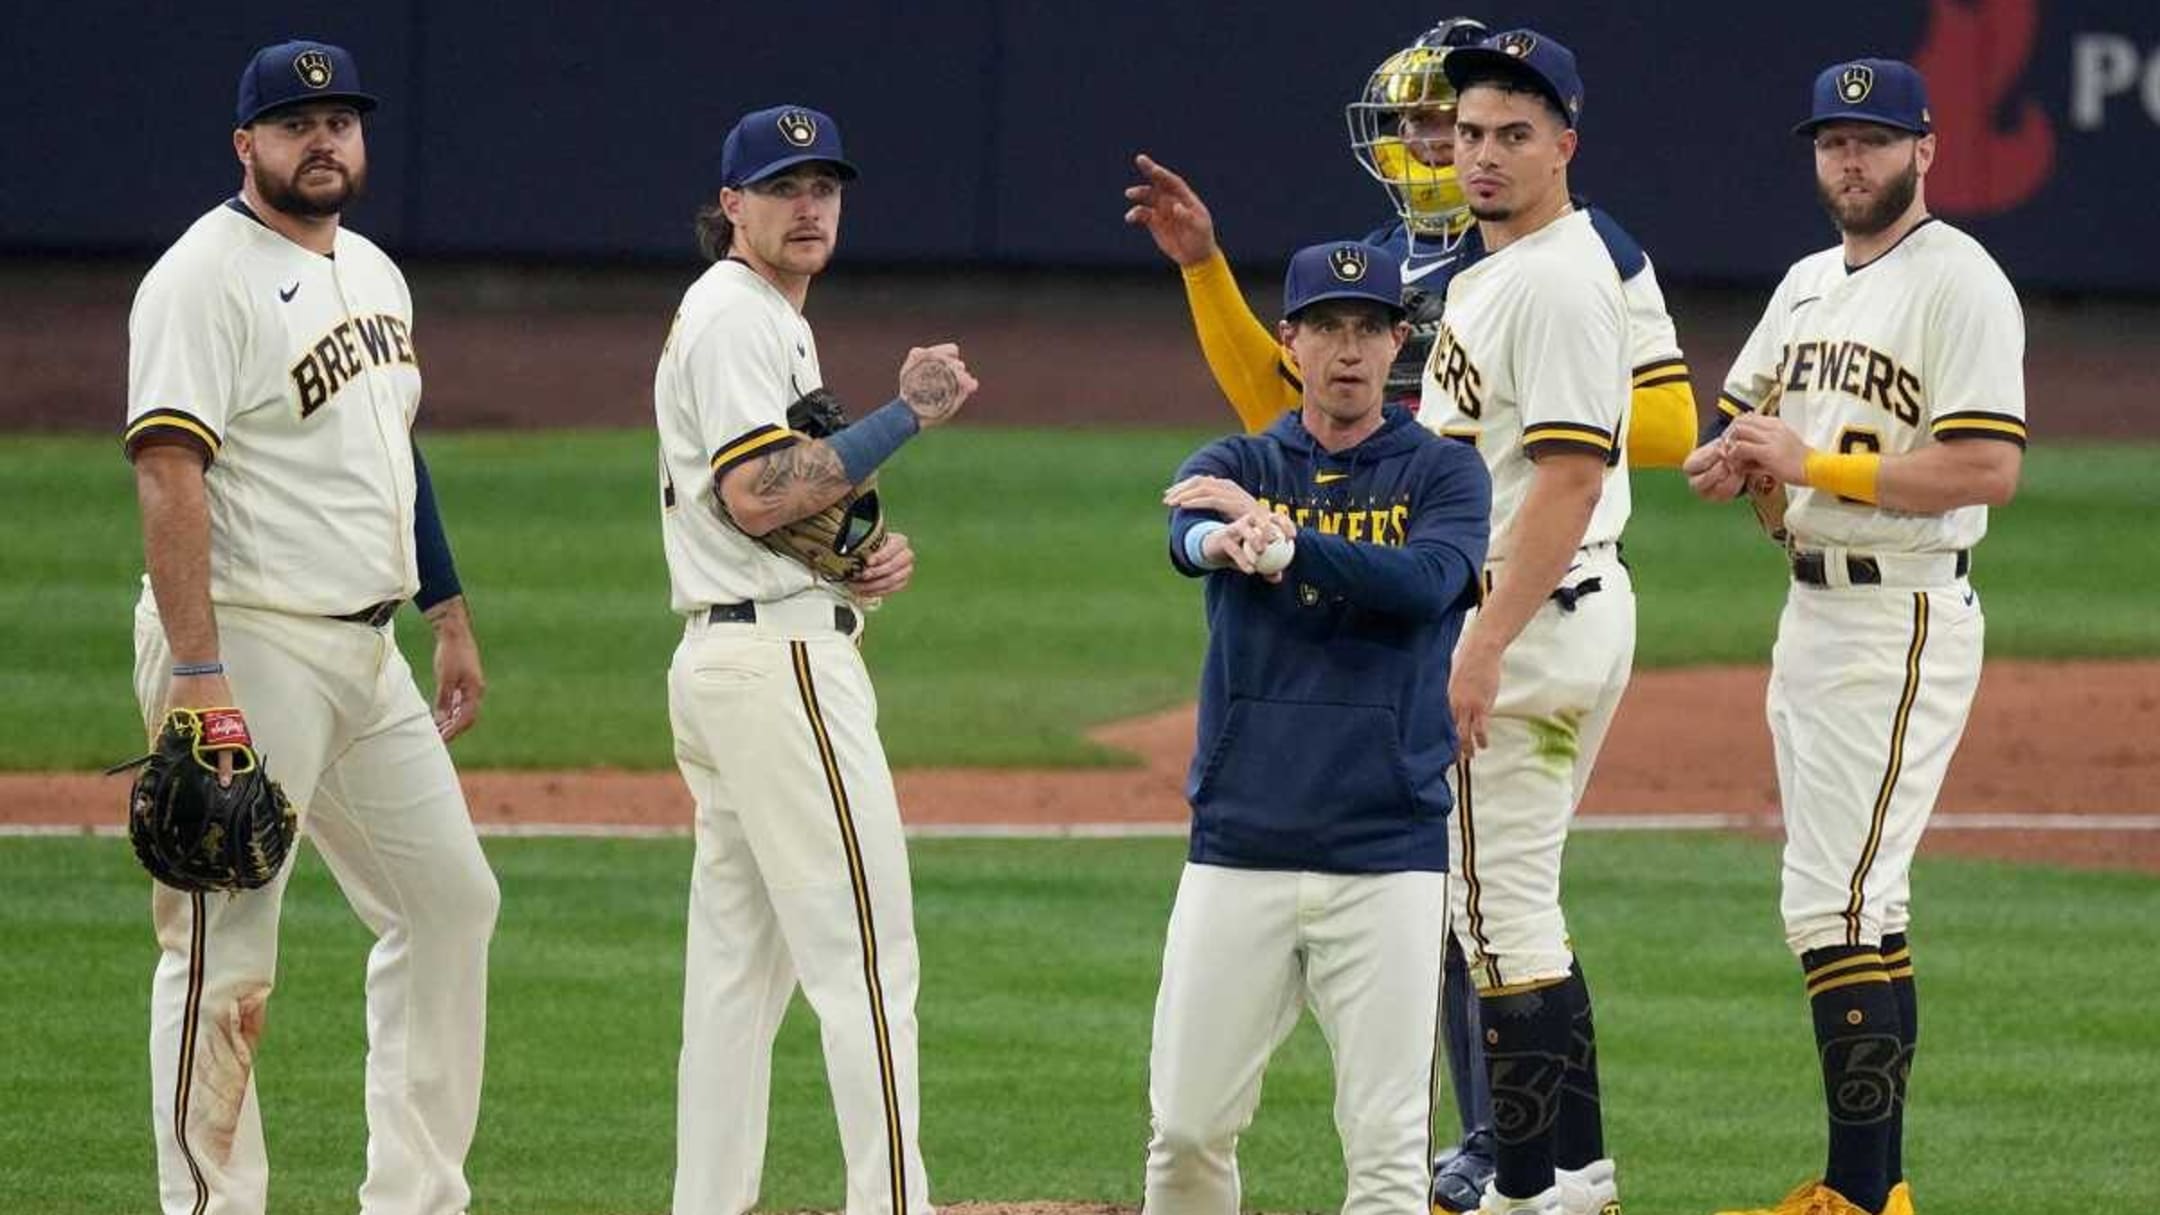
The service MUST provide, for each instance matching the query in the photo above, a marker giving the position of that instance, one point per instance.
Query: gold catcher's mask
(1406, 97)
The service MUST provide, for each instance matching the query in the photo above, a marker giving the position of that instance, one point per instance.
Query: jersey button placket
(370, 374)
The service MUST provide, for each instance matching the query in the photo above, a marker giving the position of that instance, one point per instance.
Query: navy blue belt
(843, 616)
(374, 615)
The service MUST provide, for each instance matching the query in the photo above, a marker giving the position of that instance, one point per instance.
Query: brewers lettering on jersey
(272, 387)
(1895, 359)
(1531, 366)
(801, 871)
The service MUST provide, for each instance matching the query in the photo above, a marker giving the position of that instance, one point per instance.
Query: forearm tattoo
(811, 468)
(931, 388)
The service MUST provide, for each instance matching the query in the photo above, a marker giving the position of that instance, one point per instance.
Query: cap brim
(1465, 61)
(363, 102)
(1394, 306)
(847, 171)
(1808, 127)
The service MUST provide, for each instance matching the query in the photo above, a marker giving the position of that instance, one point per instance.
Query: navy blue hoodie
(1325, 738)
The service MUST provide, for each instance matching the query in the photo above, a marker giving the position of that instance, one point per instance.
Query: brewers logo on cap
(1348, 263)
(798, 128)
(313, 68)
(1855, 83)
(1516, 42)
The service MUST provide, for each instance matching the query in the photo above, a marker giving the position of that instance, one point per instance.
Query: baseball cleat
(1900, 1202)
(1461, 1174)
(1547, 1203)
(1812, 1198)
(1593, 1189)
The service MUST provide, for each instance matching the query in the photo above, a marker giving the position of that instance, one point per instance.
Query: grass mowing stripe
(1043, 603)
(1040, 962)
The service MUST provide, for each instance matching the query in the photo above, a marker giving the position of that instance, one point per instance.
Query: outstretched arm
(1248, 363)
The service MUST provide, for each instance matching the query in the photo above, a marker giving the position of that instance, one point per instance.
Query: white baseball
(1275, 558)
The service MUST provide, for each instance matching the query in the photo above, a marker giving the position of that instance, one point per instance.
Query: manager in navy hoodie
(1316, 876)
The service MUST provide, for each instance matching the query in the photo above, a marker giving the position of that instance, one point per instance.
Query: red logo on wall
(1993, 151)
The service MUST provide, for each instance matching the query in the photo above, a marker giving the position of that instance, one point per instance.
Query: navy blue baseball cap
(771, 141)
(1526, 55)
(1887, 92)
(302, 70)
(1342, 270)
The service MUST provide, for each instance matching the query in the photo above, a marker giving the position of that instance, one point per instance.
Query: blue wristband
(1196, 543)
(866, 444)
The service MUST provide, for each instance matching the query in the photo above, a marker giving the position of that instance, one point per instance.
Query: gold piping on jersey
(1660, 373)
(173, 420)
(865, 922)
(1978, 424)
(758, 442)
(1569, 433)
(1732, 406)
(1891, 769)
(190, 1023)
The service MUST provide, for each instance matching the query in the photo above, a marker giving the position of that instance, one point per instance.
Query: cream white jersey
(296, 375)
(1653, 342)
(1534, 356)
(738, 355)
(1923, 344)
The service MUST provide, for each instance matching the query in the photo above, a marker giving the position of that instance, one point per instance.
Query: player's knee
(1185, 1141)
(462, 902)
(482, 903)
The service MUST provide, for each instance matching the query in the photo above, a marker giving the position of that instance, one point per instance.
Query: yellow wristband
(1849, 474)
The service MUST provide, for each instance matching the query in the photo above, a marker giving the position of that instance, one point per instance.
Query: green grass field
(1043, 603)
(2033, 1089)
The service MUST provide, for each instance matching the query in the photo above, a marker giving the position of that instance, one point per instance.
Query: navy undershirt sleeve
(431, 547)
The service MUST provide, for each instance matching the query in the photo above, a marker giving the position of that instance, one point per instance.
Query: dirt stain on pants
(223, 1064)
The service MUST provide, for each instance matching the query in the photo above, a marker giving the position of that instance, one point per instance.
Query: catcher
(775, 544)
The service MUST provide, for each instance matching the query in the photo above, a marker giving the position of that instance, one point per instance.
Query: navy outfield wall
(1000, 132)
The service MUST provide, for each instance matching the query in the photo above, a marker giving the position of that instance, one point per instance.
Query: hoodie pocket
(1283, 768)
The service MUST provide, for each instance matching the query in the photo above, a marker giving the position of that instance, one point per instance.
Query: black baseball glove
(193, 833)
(836, 542)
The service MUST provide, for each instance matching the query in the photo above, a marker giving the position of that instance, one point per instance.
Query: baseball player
(801, 874)
(1319, 847)
(272, 385)
(1893, 364)
(1531, 366)
(1403, 134)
